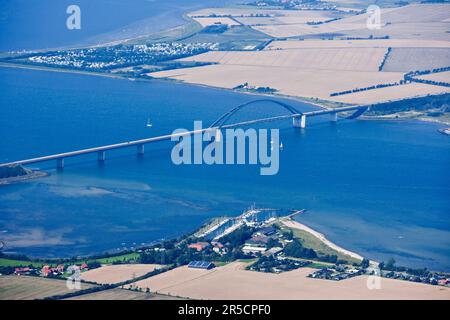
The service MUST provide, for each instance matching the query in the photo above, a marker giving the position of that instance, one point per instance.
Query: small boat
(149, 123)
(271, 145)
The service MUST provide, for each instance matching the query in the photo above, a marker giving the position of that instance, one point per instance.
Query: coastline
(297, 225)
(323, 105)
(33, 175)
(305, 228)
(167, 80)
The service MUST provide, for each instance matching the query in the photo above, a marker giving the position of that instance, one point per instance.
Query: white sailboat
(149, 123)
(271, 145)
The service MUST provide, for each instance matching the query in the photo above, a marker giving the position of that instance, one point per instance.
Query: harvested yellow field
(216, 20)
(287, 80)
(418, 21)
(164, 282)
(305, 83)
(255, 12)
(292, 30)
(257, 16)
(410, 59)
(375, 43)
(233, 282)
(114, 294)
(283, 20)
(288, 17)
(120, 294)
(410, 90)
(117, 273)
(415, 12)
(418, 35)
(349, 59)
(413, 30)
(438, 77)
(14, 287)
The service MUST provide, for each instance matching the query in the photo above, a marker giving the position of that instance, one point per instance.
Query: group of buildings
(259, 242)
(106, 58)
(217, 247)
(46, 271)
(336, 273)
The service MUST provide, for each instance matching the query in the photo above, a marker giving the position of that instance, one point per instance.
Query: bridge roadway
(140, 143)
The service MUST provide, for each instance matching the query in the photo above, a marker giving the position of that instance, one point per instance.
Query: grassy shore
(316, 241)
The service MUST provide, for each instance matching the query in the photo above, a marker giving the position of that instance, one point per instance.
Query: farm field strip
(233, 282)
(349, 59)
(29, 288)
(111, 274)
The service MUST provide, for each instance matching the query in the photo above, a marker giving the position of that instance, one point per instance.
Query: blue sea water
(376, 187)
(41, 24)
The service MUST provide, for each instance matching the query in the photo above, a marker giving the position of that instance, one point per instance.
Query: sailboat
(149, 123)
(271, 145)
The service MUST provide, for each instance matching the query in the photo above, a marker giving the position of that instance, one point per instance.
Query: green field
(129, 257)
(235, 38)
(19, 263)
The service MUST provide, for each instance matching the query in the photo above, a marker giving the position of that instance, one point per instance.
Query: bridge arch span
(224, 118)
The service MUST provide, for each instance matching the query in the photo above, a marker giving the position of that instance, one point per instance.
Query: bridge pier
(299, 122)
(101, 156)
(140, 149)
(60, 163)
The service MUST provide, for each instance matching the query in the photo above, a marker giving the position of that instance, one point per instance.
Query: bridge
(298, 120)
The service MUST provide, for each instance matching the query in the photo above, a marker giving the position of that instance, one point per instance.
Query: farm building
(199, 246)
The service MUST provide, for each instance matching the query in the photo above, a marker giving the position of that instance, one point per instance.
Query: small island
(17, 173)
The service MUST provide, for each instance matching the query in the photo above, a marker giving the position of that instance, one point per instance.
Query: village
(261, 241)
(112, 57)
(47, 271)
(267, 244)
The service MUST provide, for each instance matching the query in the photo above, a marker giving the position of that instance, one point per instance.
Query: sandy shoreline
(324, 105)
(175, 81)
(297, 225)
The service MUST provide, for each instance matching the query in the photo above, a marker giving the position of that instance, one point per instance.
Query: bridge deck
(170, 136)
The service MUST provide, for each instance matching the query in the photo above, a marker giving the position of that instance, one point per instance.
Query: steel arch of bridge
(224, 118)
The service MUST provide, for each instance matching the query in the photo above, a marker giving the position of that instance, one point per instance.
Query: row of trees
(419, 104)
(378, 86)
(411, 76)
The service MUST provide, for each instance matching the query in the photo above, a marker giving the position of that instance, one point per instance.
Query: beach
(321, 237)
